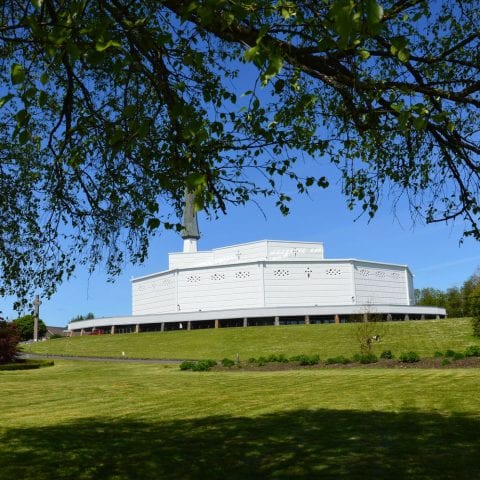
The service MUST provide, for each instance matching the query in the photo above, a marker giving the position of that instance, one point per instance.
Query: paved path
(102, 359)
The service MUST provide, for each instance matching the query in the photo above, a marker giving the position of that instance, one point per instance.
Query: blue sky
(432, 252)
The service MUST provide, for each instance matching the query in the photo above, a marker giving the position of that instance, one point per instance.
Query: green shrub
(252, 360)
(446, 361)
(228, 363)
(472, 351)
(387, 355)
(200, 366)
(306, 359)
(204, 365)
(310, 360)
(9, 339)
(450, 353)
(261, 361)
(279, 357)
(368, 358)
(458, 356)
(187, 365)
(438, 354)
(409, 357)
(338, 360)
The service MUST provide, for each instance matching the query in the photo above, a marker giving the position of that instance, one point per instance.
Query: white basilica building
(267, 282)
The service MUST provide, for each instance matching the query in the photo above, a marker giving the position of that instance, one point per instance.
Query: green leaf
(17, 74)
(44, 78)
(403, 55)
(419, 123)
(274, 68)
(129, 110)
(195, 180)
(322, 182)
(399, 48)
(287, 9)
(22, 117)
(153, 223)
(374, 13)
(364, 54)
(42, 98)
(24, 137)
(101, 45)
(346, 21)
(251, 53)
(37, 4)
(5, 99)
(439, 117)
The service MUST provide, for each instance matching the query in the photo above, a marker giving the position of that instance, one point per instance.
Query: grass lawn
(424, 337)
(98, 420)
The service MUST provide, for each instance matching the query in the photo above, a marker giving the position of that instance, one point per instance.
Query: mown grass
(98, 420)
(424, 337)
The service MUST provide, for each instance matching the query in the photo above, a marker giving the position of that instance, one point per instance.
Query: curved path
(102, 359)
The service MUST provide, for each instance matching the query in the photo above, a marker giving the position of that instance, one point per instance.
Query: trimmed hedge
(27, 365)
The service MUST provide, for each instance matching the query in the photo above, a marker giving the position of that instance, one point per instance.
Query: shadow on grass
(298, 444)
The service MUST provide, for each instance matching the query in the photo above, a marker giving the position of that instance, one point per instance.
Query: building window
(216, 277)
(193, 278)
(333, 272)
(242, 274)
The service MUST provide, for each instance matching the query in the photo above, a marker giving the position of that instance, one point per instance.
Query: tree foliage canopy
(25, 327)
(459, 301)
(109, 109)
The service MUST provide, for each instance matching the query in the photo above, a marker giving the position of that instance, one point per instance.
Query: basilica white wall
(154, 294)
(268, 274)
(381, 284)
(309, 283)
(228, 287)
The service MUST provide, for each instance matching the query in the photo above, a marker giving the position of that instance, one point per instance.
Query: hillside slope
(424, 337)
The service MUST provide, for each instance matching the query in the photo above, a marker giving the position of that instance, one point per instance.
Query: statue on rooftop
(190, 232)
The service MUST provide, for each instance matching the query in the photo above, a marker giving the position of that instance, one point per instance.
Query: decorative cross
(239, 255)
(308, 271)
(36, 308)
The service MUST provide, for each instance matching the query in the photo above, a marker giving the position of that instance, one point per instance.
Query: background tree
(24, 326)
(474, 302)
(9, 339)
(459, 301)
(430, 297)
(87, 316)
(109, 109)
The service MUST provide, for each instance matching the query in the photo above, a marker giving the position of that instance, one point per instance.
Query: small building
(56, 332)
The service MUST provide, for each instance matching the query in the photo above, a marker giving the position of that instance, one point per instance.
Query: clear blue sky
(432, 252)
